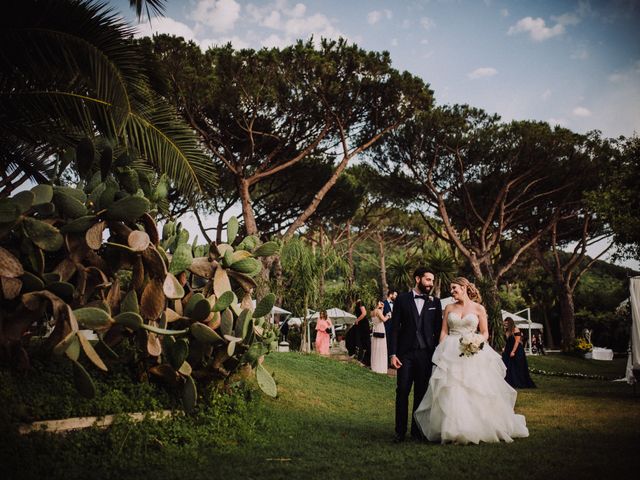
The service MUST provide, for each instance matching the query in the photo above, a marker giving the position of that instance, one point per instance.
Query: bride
(468, 400)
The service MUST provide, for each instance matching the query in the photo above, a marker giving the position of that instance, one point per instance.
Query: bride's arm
(483, 325)
(444, 331)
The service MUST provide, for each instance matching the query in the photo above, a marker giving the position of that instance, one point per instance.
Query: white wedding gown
(468, 400)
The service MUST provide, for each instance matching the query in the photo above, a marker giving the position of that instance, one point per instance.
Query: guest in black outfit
(362, 334)
(514, 357)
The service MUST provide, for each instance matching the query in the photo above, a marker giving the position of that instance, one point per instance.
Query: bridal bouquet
(470, 344)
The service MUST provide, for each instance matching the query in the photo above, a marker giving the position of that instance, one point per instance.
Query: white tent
(337, 315)
(521, 321)
(634, 287)
(295, 321)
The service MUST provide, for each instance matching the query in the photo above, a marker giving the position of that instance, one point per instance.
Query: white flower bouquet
(470, 344)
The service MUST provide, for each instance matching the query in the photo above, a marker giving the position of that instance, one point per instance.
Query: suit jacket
(405, 321)
(387, 307)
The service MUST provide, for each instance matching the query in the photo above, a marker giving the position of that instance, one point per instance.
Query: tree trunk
(323, 266)
(279, 280)
(548, 336)
(384, 286)
(247, 209)
(351, 274)
(264, 278)
(567, 317)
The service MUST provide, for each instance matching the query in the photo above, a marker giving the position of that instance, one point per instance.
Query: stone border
(78, 423)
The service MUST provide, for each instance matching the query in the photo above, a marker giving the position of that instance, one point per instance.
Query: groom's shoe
(398, 438)
(418, 438)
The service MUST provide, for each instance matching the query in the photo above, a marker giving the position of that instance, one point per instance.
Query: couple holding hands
(460, 394)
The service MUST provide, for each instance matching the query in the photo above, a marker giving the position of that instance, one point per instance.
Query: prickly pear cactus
(90, 257)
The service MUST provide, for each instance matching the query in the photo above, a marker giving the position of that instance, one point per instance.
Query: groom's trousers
(415, 371)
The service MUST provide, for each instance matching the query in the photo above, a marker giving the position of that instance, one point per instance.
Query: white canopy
(634, 287)
(521, 321)
(337, 315)
(294, 321)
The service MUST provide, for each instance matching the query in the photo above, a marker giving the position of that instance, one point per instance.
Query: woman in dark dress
(514, 357)
(362, 334)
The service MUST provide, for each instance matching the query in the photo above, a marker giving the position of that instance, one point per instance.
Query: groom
(415, 330)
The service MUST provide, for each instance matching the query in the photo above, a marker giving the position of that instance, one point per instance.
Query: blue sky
(573, 63)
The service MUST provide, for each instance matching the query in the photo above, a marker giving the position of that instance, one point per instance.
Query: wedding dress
(468, 400)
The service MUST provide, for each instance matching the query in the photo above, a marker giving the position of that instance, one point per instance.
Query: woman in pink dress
(323, 333)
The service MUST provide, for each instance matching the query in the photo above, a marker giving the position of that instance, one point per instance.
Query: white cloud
(558, 121)
(546, 94)
(427, 23)
(504, 12)
(376, 15)
(616, 106)
(164, 25)
(275, 40)
(272, 20)
(581, 112)
(317, 24)
(236, 41)
(298, 11)
(221, 15)
(536, 28)
(482, 73)
(291, 23)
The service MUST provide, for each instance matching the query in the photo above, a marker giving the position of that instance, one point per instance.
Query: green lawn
(335, 420)
(611, 369)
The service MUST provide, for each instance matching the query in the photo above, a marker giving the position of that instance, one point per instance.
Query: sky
(569, 63)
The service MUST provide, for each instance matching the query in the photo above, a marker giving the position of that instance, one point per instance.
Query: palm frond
(68, 69)
(166, 143)
(155, 6)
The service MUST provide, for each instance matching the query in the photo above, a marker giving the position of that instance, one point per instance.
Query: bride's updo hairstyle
(470, 288)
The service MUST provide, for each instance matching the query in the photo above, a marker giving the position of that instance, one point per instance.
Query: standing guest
(323, 333)
(417, 321)
(387, 310)
(514, 357)
(379, 359)
(362, 334)
(284, 329)
(539, 345)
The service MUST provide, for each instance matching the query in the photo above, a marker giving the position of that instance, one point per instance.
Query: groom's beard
(426, 290)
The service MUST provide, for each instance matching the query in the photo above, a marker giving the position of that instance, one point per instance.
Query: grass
(611, 369)
(335, 420)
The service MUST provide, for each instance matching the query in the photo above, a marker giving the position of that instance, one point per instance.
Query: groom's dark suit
(413, 339)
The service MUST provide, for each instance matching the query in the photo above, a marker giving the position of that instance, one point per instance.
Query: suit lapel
(414, 309)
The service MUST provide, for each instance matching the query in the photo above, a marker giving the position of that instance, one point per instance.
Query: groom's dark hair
(420, 271)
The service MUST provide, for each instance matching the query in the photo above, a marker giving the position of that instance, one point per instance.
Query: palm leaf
(69, 70)
(166, 143)
(155, 6)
